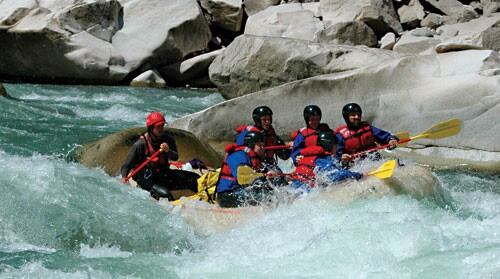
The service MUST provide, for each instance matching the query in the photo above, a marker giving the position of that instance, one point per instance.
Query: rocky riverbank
(409, 63)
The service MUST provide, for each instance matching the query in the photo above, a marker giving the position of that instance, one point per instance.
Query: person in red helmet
(155, 176)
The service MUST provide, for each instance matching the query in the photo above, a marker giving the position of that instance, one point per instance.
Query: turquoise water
(59, 219)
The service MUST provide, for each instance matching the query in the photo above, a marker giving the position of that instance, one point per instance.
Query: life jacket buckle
(147, 174)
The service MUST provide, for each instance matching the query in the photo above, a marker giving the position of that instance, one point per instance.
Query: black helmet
(350, 108)
(251, 138)
(311, 110)
(259, 112)
(326, 139)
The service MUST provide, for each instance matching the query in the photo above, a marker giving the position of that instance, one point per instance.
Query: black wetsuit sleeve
(136, 156)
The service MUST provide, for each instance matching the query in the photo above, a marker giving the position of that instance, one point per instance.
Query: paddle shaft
(384, 146)
(141, 166)
(443, 129)
(276, 147)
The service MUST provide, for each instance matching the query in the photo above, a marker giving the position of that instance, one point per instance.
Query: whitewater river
(59, 219)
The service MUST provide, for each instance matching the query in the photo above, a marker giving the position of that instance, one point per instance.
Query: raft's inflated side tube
(110, 152)
(179, 183)
(158, 192)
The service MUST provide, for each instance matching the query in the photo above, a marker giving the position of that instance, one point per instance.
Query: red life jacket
(158, 161)
(305, 167)
(270, 137)
(357, 140)
(310, 135)
(225, 171)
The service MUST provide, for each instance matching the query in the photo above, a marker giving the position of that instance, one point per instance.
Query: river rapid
(59, 219)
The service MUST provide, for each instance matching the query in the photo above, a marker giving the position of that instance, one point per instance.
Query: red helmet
(155, 119)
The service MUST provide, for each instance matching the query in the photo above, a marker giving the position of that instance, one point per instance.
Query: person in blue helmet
(357, 135)
(263, 118)
(308, 135)
(319, 159)
(251, 153)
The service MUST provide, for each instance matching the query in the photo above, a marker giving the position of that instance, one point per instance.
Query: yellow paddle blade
(246, 175)
(384, 171)
(403, 136)
(443, 129)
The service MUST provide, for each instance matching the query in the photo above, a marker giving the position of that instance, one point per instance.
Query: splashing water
(59, 219)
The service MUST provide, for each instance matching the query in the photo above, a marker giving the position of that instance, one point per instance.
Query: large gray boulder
(253, 63)
(288, 21)
(490, 6)
(25, 29)
(190, 69)
(378, 14)
(490, 38)
(150, 78)
(226, 14)
(96, 41)
(150, 35)
(454, 9)
(481, 32)
(348, 33)
(254, 6)
(417, 41)
(388, 41)
(408, 93)
(432, 20)
(299, 21)
(412, 14)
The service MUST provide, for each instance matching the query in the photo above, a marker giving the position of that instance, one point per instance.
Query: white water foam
(103, 252)
(38, 270)
(113, 113)
(390, 237)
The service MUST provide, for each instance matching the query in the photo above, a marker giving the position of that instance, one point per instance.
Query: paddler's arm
(240, 138)
(297, 146)
(341, 174)
(335, 172)
(339, 153)
(384, 137)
